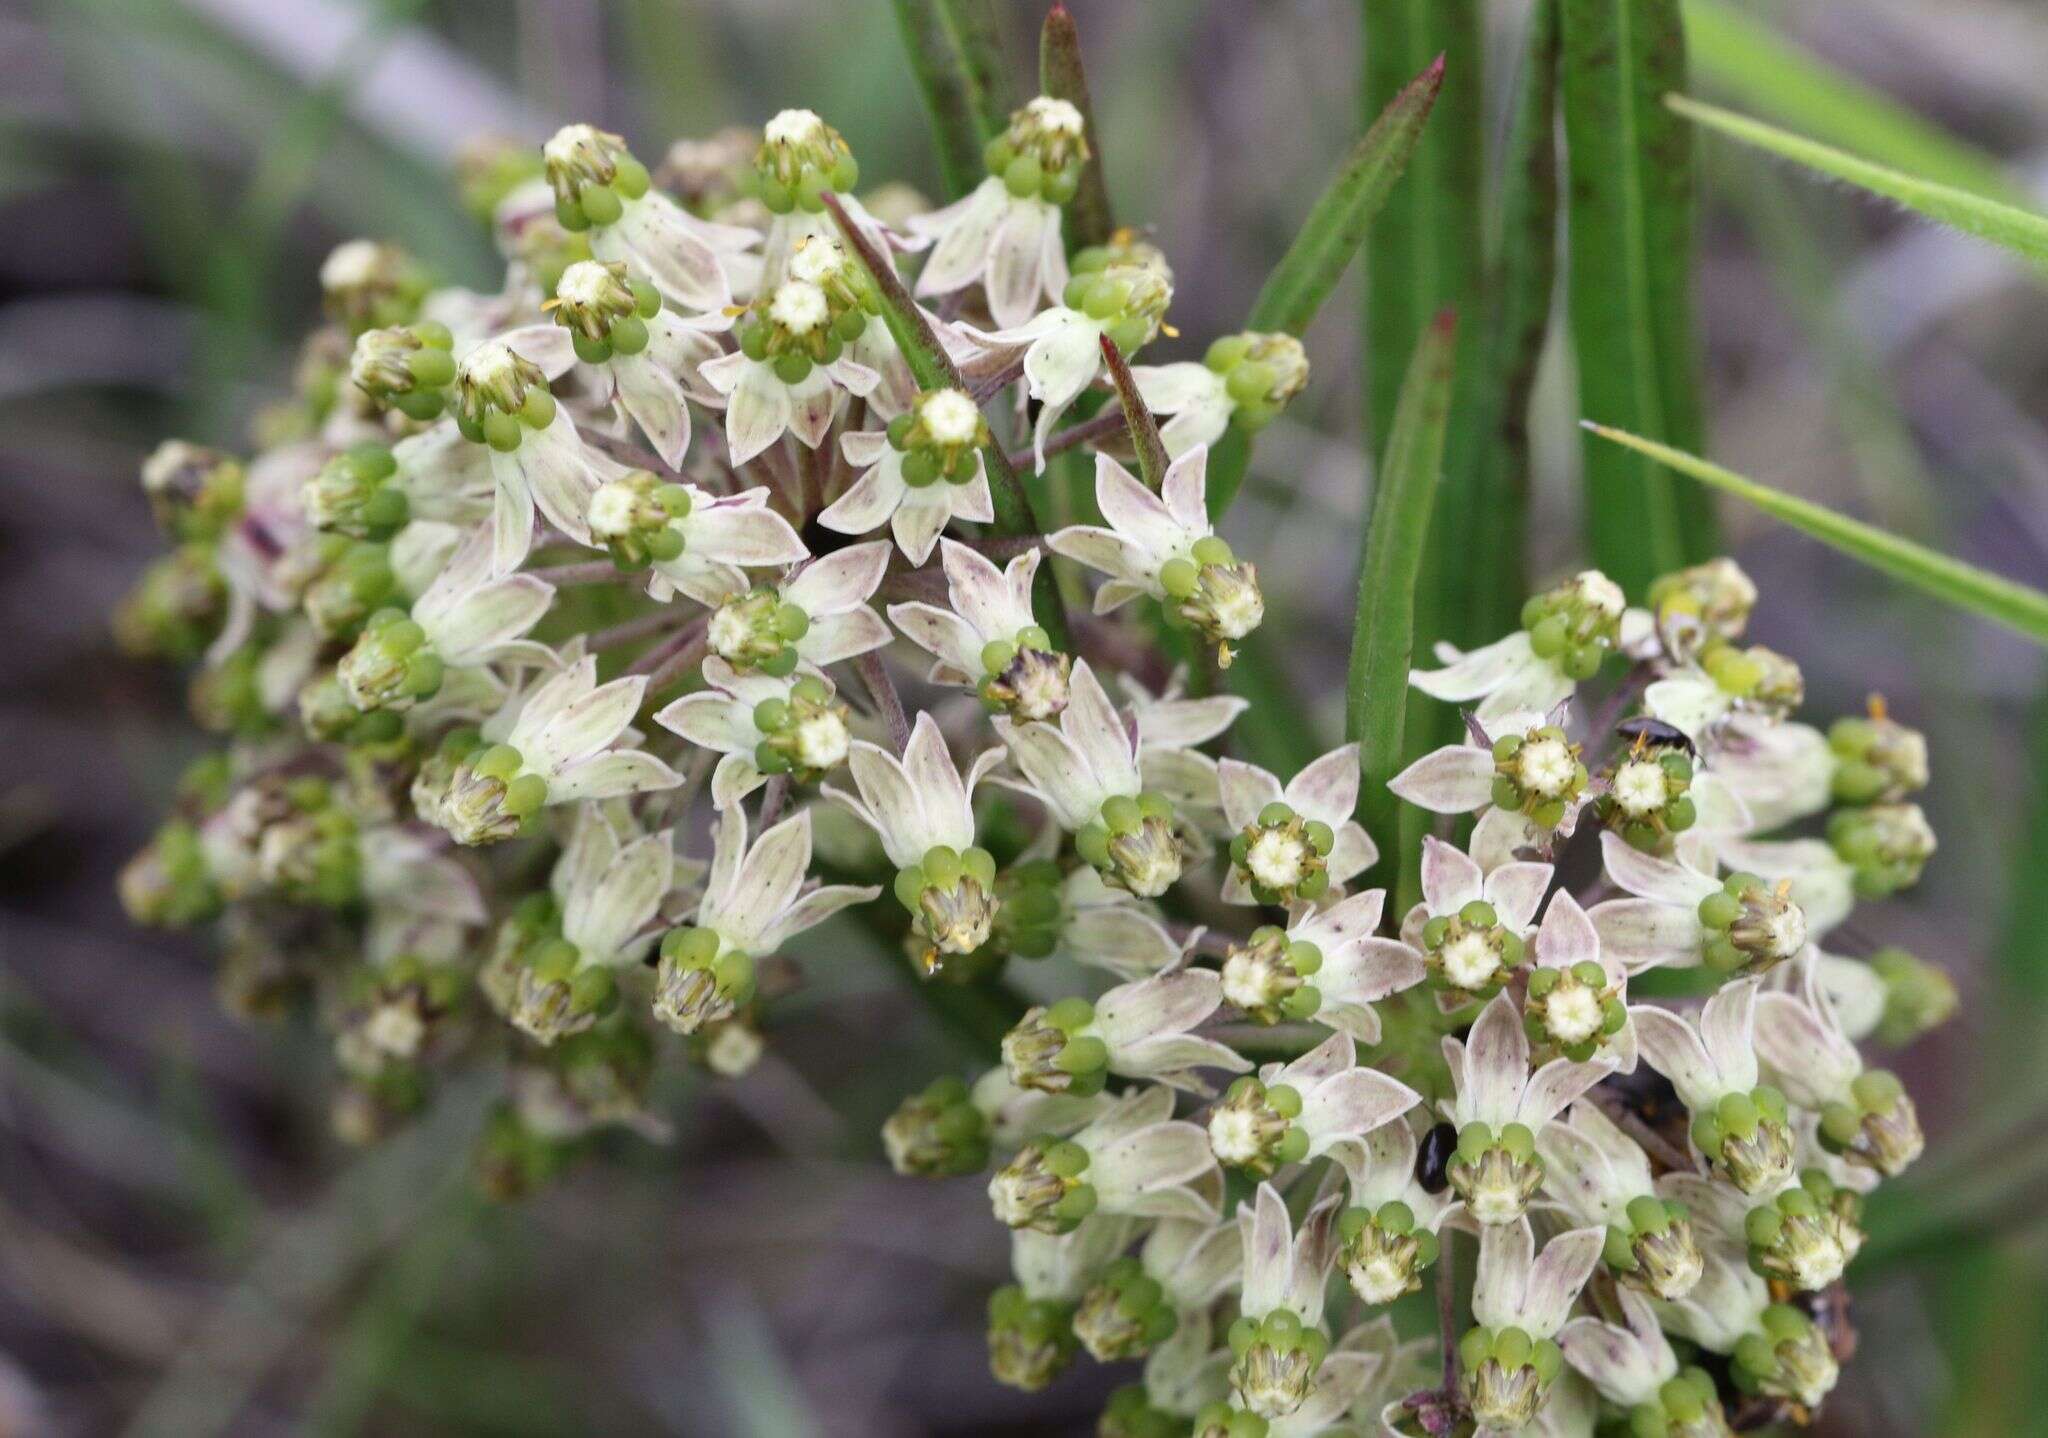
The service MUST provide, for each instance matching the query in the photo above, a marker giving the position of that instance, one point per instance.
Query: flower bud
(1539, 774)
(1698, 606)
(1471, 951)
(951, 898)
(1276, 1360)
(1886, 844)
(1124, 1314)
(605, 312)
(1653, 1247)
(1507, 1375)
(227, 698)
(1049, 1050)
(1384, 1251)
(366, 285)
(1041, 151)
(194, 492)
(353, 494)
(698, 981)
(308, 851)
(1875, 1125)
(482, 797)
(1266, 976)
(1748, 1138)
(1030, 1341)
(1030, 910)
(1687, 1406)
(1214, 592)
(175, 609)
(637, 517)
(1757, 679)
(1918, 996)
(406, 369)
(1877, 759)
(1787, 1357)
(1125, 286)
(800, 159)
(1576, 624)
(805, 736)
(1042, 1189)
(1251, 1127)
(1573, 1011)
(512, 1160)
(499, 395)
(168, 885)
(1130, 1414)
(1132, 844)
(940, 437)
(593, 176)
(1750, 927)
(1281, 857)
(391, 666)
(937, 1133)
(1496, 1174)
(1261, 374)
(1805, 1236)
(1027, 679)
(1220, 1420)
(353, 582)
(758, 629)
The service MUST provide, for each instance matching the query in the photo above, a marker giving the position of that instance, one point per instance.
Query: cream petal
(919, 521)
(980, 592)
(867, 503)
(1450, 880)
(1108, 552)
(757, 412)
(1245, 789)
(944, 635)
(1455, 779)
(838, 581)
(1644, 934)
(964, 230)
(749, 536)
(1328, 788)
(1135, 512)
(1184, 489)
(1476, 673)
(813, 909)
(655, 401)
(1014, 278)
(1671, 1047)
(712, 721)
(839, 637)
(609, 776)
(1516, 891)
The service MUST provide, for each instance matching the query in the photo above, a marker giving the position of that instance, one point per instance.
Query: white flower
(1136, 1030)
(1569, 630)
(818, 615)
(1528, 787)
(1742, 1128)
(1754, 926)
(1328, 964)
(1816, 878)
(1284, 1340)
(989, 623)
(1501, 1106)
(1865, 1115)
(1383, 1257)
(794, 724)
(1577, 994)
(790, 375)
(1107, 929)
(1517, 1289)
(537, 458)
(1472, 928)
(1164, 545)
(721, 536)
(1297, 1112)
(464, 619)
(922, 485)
(1779, 772)
(559, 751)
(1723, 1306)
(1247, 378)
(1018, 1115)
(1182, 1267)
(647, 359)
(1598, 1175)
(1132, 1158)
(600, 187)
(1629, 1362)
(1297, 842)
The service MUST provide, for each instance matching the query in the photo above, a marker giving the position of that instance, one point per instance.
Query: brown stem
(666, 660)
(772, 799)
(596, 571)
(1447, 1314)
(627, 452)
(1658, 1147)
(641, 627)
(1107, 425)
(875, 675)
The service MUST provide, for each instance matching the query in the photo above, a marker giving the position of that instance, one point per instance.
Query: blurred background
(184, 1247)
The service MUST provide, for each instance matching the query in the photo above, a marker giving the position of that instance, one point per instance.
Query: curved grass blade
(1389, 570)
(1521, 275)
(1977, 591)
(1344, 212)
(1631, 287)
(977, 38)
(1061, 76)
(935, 61)
(932, 370)
(2022, 231)
(1736, 56)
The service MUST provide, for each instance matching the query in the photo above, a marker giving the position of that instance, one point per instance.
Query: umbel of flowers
(480, 820)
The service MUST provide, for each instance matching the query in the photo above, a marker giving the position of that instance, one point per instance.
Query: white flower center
(1244, 982)
(1787, 930)
(728, 631)
(734, 1049)
(1470, 960)
(950, 417)
(585, 285)
(570, 144)
(1639, 787)
(1236, 609)
(1572, 1013)
(821, 742)
(1059, 117)
(612, 510)
(1234, 1135)
(799, 307)
(1599, 592)
(1546, 767)
(1275, 859)
(395, 1029)
(1380, 1279)
(1818, 1264)
(794, 127)
(491, 366)
(1010, 1197)
(358, 262)
(816, 260)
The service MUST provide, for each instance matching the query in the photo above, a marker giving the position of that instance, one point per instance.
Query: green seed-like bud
(1756, 678)
(1707, 603)
(1041, 1188)
(1888, 845)
(365, 285)
(1041, 151)
(1030, 1342)
(499, 393)
(194, 492)
(1918, 996)
(1262, 373)
(1576, 624)
(938, 1133)
(1047, 1051)
(801, 157)
(596, 302)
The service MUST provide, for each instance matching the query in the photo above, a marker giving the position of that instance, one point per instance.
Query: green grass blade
(2022, 231)
(1966, 587)
(932, 370)
(1521, 276)
(1061, 76)
(1342, 215)
(978, 40)
(935, 62)
(1737, 57)
(1631, 259)
(1389, 571)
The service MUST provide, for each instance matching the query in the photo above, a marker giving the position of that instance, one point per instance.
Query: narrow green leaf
(1964, 586)
(1344, 212)
(1737, 56)
(979, 41)
(2022, 231)
(1142, 423)
(935, 62)
(1521, 275)
(1061, 76)
(930, 367)
(1383, 640)
(1631, 264)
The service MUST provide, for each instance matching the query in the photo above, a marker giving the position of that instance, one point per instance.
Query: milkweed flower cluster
(551, 630)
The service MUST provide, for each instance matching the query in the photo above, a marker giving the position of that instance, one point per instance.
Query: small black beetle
(1432, 1159)
(1655, 734)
